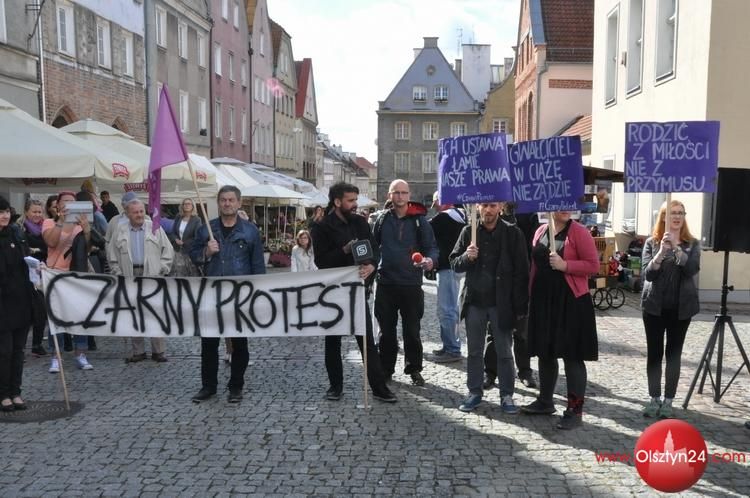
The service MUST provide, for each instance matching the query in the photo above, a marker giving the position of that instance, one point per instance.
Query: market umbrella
(266, 192)
(39, 157)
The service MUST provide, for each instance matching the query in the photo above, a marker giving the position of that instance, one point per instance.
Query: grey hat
(129, 196)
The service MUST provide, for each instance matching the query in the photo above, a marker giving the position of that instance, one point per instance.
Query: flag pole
(200, 200)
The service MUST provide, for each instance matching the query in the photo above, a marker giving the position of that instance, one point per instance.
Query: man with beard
(332, 239)
(236, 250)
(496, 294)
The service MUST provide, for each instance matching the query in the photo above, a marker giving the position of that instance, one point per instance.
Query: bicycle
(610, 296)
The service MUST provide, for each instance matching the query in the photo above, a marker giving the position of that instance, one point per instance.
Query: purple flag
(167, 148)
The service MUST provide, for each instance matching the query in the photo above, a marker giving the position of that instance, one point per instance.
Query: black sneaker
(38, 351)
(528, 380)
(203, 395)
(385, 395)
(570, 420)
(537, 407)
(235, 395)
(333, 393)
(417, 379)
(489, 381)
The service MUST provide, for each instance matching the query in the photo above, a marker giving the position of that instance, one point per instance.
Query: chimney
(508, 63)
(430, 41)
(457, 68)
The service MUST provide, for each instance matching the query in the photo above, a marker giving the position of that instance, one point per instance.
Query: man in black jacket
(496, 294)
(332, 239)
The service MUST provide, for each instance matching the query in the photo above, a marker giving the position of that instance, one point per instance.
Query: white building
(671, 60)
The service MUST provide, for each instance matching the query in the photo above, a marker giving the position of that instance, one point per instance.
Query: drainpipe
(37, 7)
(149, 39)
(210, 48)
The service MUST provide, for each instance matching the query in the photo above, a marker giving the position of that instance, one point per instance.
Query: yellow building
(500, 108)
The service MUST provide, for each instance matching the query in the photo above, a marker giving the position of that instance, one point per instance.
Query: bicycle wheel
(600, 299)
(616, 297)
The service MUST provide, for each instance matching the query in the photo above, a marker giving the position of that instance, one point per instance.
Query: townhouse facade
(19, 50)
(230, 81)
(673, 60)
(553, 68)
(428, 103)
(94, 65)
(306, 120)
(499, 108)
(261, 64)
(179, 58)
(286, 133)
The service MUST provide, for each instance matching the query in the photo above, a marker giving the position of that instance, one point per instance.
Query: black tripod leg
(746, 362)
(717, 330)
(703, 365)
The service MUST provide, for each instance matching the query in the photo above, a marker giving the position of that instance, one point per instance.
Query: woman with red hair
(671, 260)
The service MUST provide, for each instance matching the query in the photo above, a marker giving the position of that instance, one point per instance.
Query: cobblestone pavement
(139, 435)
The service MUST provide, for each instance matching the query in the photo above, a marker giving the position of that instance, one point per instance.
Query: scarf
(33, 228)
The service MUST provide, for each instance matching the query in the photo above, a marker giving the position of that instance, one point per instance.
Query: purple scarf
(33, 228)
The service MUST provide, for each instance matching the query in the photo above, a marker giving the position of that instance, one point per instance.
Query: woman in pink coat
(561, 314)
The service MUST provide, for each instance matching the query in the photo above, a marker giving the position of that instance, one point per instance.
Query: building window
(202, 116)
(129, 56)
(236, 15)
(159, 86)
(201, 50)
(244, 127)
(499, 125)
(430, 130)
(66, 34)
(403, 130)
(231, 66)
(225, 9)
(401, 162)
(231, 124)
(666, 33)
(3, 30)
(103, 48)
(458, 129)
(243, 72)
(161, 27)
(256, 88)
(182, 44)
(419, 93)
(441, 93)
(429, 162)
(635, 45)
(217, 59)
(262, 43)
(217, 119)
(184, 112)
(610, 80)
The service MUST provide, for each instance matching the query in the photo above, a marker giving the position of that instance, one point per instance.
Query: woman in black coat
(15, 309)
(186, 225)
(31, 224)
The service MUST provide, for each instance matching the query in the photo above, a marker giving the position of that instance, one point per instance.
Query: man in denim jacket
(237, 249)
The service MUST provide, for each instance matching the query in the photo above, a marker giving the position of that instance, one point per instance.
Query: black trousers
(675, 329)
(408, 300)
(210, 362)
(520, 351)
(40, 318)
(12, 343)
(575, 374)
(335, 367)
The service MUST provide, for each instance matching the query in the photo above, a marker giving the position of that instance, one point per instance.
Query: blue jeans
(80, 342)
(477, 319)
(447, 301)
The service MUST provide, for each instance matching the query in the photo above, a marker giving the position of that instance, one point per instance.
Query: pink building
(262, 81)
(230, 85)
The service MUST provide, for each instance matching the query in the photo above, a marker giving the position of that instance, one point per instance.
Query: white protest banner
(304, 304)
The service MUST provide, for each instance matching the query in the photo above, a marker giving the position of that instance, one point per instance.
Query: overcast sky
(361, 48)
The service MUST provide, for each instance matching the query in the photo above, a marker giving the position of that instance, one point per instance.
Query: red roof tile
(569, 30)
(363, 163)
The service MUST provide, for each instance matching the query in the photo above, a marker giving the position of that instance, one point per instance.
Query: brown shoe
(136, 358)
(159, 358)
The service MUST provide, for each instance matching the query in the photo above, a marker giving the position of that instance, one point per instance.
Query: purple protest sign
(473, 169)
(547, 174)
(679, 156)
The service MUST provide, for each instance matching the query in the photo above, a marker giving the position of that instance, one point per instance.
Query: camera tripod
(717, 335)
